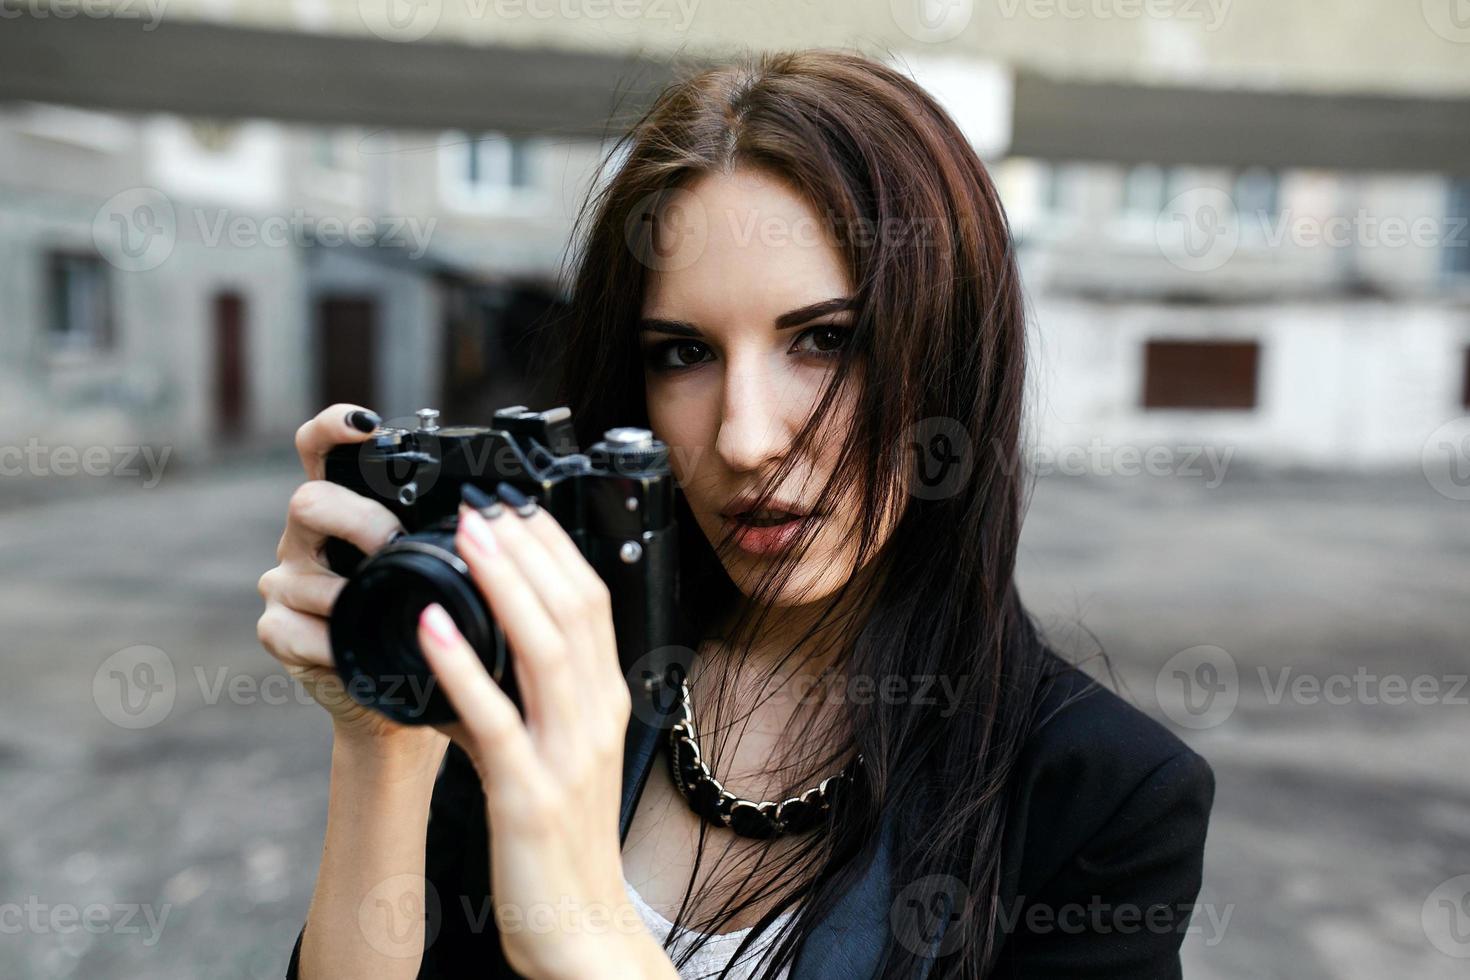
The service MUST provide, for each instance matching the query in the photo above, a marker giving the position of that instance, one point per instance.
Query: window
(1255, 193)
(1457, 230)
(1143, 190)
(1465, 382)
(80, 305)
(1200, 374)
(490, 170)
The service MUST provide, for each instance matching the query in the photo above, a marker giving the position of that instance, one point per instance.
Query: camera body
(616, 502)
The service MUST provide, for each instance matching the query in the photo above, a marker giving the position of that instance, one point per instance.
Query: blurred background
(1243, 230)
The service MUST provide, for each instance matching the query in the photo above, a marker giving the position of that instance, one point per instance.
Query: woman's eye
(822, 340)
(674, 354)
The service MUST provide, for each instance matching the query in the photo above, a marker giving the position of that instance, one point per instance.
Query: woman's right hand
(299, 591)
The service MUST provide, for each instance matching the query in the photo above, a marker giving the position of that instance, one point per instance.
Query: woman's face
(742, 323)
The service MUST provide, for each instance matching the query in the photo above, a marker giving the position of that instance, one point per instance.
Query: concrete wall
(1340, 382)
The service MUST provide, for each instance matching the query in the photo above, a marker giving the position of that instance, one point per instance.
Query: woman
(801, 279)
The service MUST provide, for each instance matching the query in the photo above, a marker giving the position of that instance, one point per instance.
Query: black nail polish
(521, 503)
(362, 420)
(477, 499)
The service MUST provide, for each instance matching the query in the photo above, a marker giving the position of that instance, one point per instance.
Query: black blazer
(1100, 861)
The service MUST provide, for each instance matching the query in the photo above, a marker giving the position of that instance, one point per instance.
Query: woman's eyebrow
(791, 318)
(804, 314)
(679, 328)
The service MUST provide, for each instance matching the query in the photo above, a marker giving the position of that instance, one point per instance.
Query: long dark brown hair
(936, 365)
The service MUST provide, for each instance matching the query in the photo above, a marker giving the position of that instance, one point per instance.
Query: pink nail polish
(478, 532)
(437, 622)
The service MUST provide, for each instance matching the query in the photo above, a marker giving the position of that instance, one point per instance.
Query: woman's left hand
(553, 781)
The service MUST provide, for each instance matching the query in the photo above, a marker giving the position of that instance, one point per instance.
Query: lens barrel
(374, 626)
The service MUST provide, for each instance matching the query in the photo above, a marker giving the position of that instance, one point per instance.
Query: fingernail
(362, 420)
(522, 504)
(479, 533)
(481, 501)
(437, 622)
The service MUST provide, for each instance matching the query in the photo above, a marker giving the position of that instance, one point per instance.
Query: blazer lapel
(848, 944)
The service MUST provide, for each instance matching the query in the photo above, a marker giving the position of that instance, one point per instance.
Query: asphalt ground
(175, 834)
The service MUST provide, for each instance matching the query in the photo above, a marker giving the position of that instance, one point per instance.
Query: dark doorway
(1200, 374)
(491, 333)
(347, 350)
(229, 365)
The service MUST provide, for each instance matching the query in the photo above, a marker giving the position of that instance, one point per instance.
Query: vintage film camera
(616, 501)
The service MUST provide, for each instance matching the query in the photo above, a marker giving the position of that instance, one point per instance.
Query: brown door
(229, 365)
(346, 350)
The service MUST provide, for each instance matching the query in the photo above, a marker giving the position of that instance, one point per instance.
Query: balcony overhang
(196, 68)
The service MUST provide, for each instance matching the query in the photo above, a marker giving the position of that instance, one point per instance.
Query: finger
(319, 510)
(571, 592)
(336, 425)
(539, 647)
(306, 588)
(294, 638)
(594, 591)
(499, 741)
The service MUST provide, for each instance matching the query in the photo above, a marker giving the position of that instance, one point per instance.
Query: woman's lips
(768, 539)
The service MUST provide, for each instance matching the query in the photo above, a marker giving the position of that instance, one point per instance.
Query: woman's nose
(753, 430)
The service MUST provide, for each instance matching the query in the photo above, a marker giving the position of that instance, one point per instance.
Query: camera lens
(374, 627)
